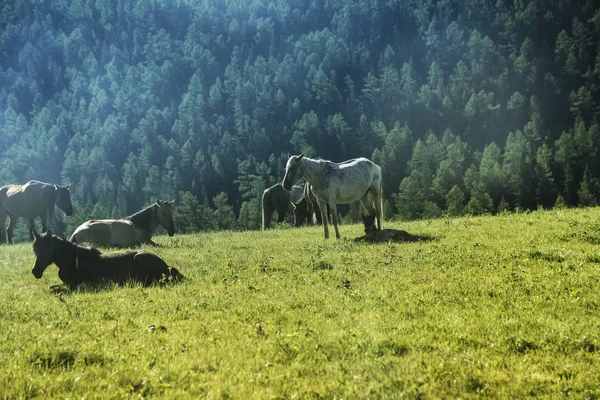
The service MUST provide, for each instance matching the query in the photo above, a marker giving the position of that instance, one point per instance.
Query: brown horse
(307, 211)
(129, 231)
(372, 235)
(33, 199)
(77, 264)
(277, 199)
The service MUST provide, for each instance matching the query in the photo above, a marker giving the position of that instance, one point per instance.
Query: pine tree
(546, 192)
(393, 156)
(588, 190)
(223, 213)
(480, 201)
(411, 197)
(455, 202)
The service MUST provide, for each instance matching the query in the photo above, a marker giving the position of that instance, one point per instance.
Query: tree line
(471, 107)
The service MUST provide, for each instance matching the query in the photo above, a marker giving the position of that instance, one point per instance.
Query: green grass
(501, 307)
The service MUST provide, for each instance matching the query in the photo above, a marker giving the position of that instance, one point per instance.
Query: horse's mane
(64, 245)
(144, 218)
(324, 161)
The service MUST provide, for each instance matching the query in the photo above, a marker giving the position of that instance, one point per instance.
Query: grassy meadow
(503, 307)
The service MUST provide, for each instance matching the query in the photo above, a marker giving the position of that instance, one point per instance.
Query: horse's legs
(11, 227)
(334, 218)
(323, 207)
(318, 215)
(267, 218)
(281, 215)
(310, 219)
(378, 202)
(44, 225)
(3, 216)
(267, 210)
(368, 205)
(32, 224)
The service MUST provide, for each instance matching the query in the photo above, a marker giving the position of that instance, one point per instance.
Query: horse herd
(327, 184)
(78, 264)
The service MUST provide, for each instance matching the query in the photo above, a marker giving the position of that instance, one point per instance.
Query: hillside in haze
(469, 107)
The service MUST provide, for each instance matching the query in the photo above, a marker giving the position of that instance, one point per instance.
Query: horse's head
(164, 215)
(369, 222)
(63, 199)
(293, 171)
(43, 247)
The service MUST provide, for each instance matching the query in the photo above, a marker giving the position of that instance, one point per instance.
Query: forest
(469, 107)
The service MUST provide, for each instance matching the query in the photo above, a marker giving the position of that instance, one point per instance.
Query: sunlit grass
(503, 306)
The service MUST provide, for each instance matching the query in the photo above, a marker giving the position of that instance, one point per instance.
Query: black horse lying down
(77, 264)
(372, 235)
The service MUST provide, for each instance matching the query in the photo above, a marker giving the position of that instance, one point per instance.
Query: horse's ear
(300, 156)
(158, 201)
(36, 236)
(48, 233)
(68, 186)
(172, 202)
(289, 155)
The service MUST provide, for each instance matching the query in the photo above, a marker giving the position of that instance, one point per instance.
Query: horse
(78, 265)
(307, 211)
(302, 214)
(31, 200)
(277, 199)
(372, 235)
(338, 183)
(133, 230)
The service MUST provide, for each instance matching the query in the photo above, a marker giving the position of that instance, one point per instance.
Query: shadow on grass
(107, 285)
(392, 235)
(65, 359)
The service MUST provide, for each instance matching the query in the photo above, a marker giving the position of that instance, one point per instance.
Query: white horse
(342, 183)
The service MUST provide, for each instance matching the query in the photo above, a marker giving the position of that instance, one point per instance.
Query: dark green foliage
(132, 100)
(455, 202)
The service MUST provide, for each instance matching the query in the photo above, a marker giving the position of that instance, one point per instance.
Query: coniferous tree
(546, 191)
(455, 202)
(223, 213)
(480, 201)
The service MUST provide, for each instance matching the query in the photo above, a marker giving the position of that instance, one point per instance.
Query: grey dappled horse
(277, 199)
(338, 183)
(31, 200)
(130, 231)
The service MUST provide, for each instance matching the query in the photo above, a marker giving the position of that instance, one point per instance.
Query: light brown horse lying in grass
(31, 200)
(77, 265)
(129, 231)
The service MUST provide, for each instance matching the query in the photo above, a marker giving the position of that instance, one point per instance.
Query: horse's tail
(310, 207)
(3, 198)
(267, 210)
(51, 214)
(380, 217)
